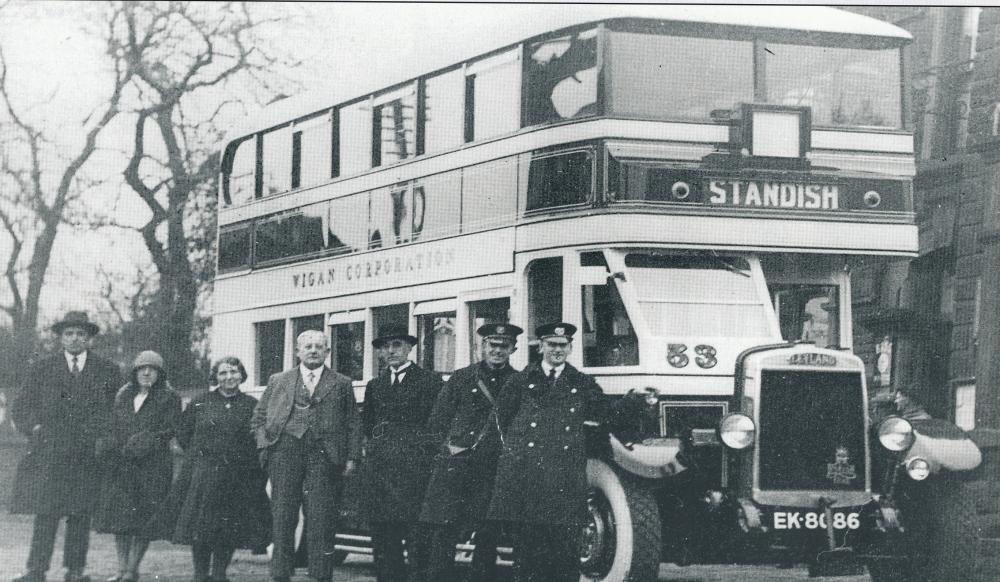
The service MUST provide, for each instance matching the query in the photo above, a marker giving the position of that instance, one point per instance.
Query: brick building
(931, 326)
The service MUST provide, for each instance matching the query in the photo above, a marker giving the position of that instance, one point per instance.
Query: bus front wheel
(621, 541)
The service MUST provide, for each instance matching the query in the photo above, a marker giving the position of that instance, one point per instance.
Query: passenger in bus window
(219, 499)
(399, 453)
(541, 484)
(462, 481)
(308, 436)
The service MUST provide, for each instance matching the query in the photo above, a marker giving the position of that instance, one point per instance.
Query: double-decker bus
(690, 186)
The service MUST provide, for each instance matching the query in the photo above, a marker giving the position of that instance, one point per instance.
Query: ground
(166, 562)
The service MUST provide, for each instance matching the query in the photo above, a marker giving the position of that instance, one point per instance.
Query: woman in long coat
(225, 505)
(139, 461)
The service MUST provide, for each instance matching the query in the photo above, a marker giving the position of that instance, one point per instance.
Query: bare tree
(39, 179)
(187, 59)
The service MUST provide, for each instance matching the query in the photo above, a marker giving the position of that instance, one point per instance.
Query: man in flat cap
(541, 482)
(462, 482)
(398, 456)
(63, 407)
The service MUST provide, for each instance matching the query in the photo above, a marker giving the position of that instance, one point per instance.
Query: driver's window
(808, 313)
(608, 337)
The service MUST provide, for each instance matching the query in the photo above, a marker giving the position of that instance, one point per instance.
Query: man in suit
(308, 436)
(541, 480)
(462, 482)
(63, 408)
(398, 456)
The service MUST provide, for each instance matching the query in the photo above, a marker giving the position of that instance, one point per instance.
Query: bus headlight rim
(896, 434)
(737, 431)
(918, 468)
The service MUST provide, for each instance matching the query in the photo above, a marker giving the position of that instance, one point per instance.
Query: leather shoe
(30, 577)
(76, 577)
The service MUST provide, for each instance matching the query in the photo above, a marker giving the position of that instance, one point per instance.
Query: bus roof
(534, 20)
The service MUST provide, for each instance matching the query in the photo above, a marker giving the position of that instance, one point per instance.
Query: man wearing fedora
(63, 408)
(399, 453)
(308, 436)
(462, 481)
(541, 481)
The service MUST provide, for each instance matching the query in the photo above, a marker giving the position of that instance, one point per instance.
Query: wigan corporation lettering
(753, 194)
(381, 268)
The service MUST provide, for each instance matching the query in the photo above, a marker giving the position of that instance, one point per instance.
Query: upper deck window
(843, 86)
(443, 111)
(697, 295)
(493, 96)
(240, 166)
(395, 126)
(561, 78)
(277, 160)
(673, 77)
(355, 138)
(311, 151)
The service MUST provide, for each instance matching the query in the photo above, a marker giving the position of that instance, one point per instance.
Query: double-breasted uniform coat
(461, 483)
(139, 462)
(400, 444)
(60, 474)
(541, 473)
(221, 500)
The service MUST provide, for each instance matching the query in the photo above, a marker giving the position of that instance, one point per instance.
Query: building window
(270, 349)
(347, 349)
(560, 180)
(965, 406)
(443, 111)
(561, 78)
(493, 96)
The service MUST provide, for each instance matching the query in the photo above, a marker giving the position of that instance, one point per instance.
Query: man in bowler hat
(462, 481)
(541, 482)
(63, 408)
(399, 452)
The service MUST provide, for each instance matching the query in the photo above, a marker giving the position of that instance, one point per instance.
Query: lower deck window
(347, 349)
(270, 336)
(436, 347)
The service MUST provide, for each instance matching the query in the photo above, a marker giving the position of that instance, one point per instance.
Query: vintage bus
(691, 187)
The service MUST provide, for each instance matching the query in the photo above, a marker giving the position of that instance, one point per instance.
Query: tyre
(621, 542)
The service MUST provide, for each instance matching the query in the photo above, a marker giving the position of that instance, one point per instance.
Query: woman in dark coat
(139, 461)
(225, 505)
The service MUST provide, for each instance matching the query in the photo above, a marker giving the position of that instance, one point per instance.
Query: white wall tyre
(621, 541)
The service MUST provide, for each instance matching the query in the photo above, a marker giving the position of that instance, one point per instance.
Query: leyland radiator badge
(840, 471)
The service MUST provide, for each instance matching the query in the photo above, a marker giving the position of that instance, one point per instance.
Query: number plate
(814, 520)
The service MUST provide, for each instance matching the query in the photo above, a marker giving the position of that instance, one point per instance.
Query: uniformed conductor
(461, 485)
(399, 452)
(541, 481)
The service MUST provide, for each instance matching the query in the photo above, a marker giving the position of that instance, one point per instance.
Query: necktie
(395, 378)
(552, 377)
(311, 379)
(74, 368)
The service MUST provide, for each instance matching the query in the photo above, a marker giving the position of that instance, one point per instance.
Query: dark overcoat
(220, 497)
(138, 463)
(400, 447)
(541, 474)
(461, 482)
(59, 475)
